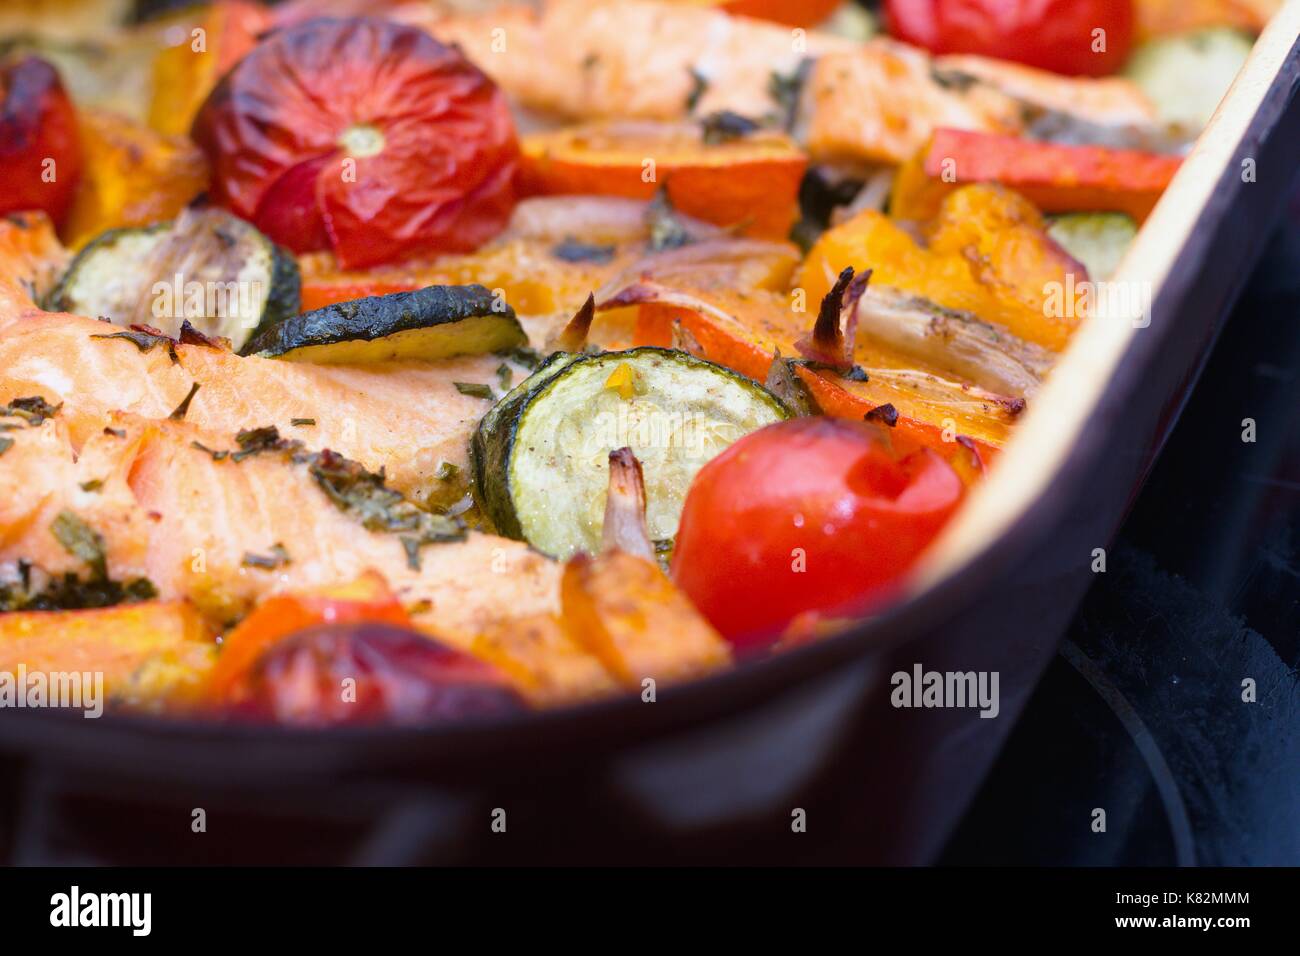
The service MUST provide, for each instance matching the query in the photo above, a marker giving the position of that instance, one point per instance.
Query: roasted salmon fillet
(408, 419)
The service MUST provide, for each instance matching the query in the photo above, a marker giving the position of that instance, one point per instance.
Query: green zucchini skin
(496, 452)
(117, 257)
(285, 298)
(493, 442)
(430, 323)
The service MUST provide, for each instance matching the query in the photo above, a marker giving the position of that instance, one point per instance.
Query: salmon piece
(30, 253)
(169, 512)
(41, 477)
(407, 418)
(865, 102)
(1110, 101)
(881, 102)
(629, 59)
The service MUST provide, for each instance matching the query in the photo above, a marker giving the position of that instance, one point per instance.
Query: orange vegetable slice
(1053, 176)
(148, 652)
(749, 183)
(368, 598)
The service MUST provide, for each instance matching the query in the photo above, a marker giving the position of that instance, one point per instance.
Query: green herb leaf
(571, 250)
(363, 495)
(666, 229)
(216, 455)
(34, 410)
(302, 422)
(699, 86)
(179, 413)
(446, 471)
(522, 355)
(145, 338)
(277, 558)
(786, 90)
(82, 541)
(474, 389)
(725, 126)
(255, 441)
(93, 485)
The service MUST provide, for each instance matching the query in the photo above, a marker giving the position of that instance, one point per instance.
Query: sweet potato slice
(747, 181)
(623, 609)
(1053, 176)
(1164, 17)
(988, 253)
(543, 661)
(149, 653)
(132, 176)
(185, 72)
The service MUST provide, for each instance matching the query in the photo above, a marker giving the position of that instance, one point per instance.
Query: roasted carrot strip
(1054, 177)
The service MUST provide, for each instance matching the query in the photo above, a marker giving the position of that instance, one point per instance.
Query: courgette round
(541, 455)
(435, 322)
(208, 267)
(1096, 239)
(1185, 76)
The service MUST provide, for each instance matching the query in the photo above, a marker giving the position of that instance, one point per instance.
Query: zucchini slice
(1096, 239)
(437, 322)
(541, 455)
(1186, 76)
(208, 267)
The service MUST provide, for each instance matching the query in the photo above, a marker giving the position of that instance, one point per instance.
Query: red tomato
(1050, 34)
(810, 518)
(363, 136)
(40, 153)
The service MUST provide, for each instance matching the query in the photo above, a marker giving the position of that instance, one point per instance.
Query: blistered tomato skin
(368, 673)
(363, 136)
(1074, 37)
(807, 520)
(40, 152)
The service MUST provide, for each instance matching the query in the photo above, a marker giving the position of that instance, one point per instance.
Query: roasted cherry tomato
(1060, 35)
(366, 673)
(808, 519)
(40, 156)
(363, 136)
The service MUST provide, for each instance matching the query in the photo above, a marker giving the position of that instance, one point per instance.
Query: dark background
(1141, 713)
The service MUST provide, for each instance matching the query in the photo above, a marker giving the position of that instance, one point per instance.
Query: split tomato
(40, 154)
(1075, 37)
(366, 673)
(804, 521)
(363, 136)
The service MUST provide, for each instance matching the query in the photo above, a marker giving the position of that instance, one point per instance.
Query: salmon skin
(847, 101)
(197, 525)
(408, 419)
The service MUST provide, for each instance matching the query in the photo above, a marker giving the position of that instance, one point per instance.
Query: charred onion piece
(784, 382)
(625, 527)
(833, 335)
(959, 342)
(574, 336)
